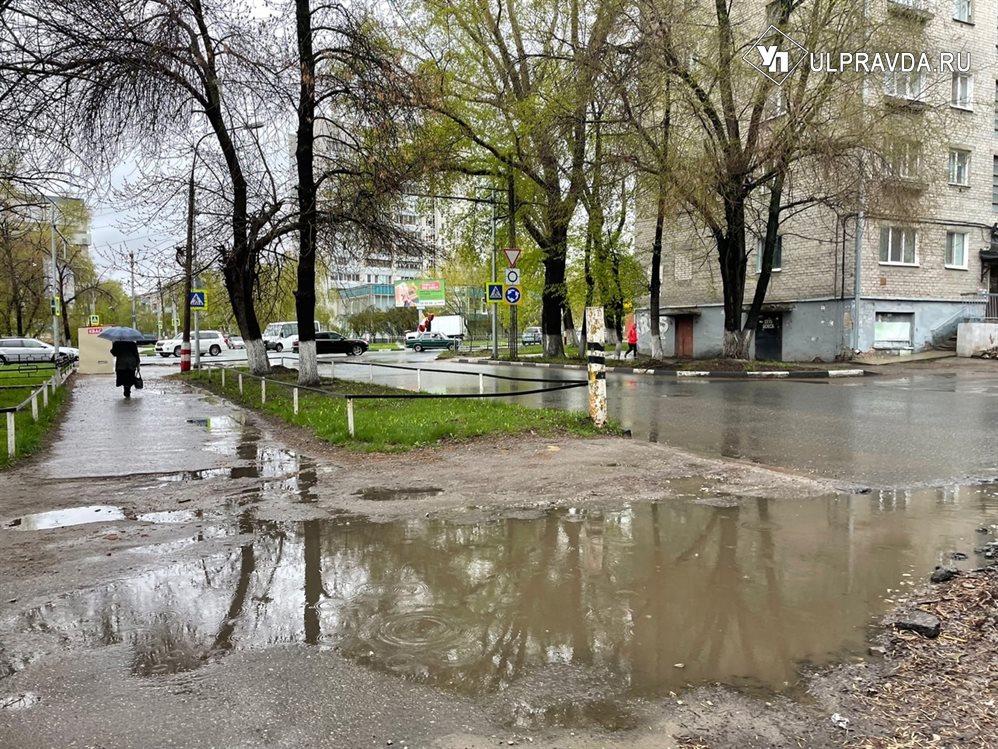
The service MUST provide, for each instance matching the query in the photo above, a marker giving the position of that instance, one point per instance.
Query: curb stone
(763, 375)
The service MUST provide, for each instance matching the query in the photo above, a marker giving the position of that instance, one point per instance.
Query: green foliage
(30, 435)
(396, 425)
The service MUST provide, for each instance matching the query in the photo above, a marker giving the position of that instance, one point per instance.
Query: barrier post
(34, 407)
(481, 384)
(595, 339)
(263, 391)
(240, 383)
(223, 378)
(45, 393)
(350, 416)
(419, 380)
(295, 398)
(370, 372)
(11, 439)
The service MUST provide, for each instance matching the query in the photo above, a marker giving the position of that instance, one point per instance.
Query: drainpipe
(858, 272)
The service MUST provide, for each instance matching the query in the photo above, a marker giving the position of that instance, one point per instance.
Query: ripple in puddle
(384, 494)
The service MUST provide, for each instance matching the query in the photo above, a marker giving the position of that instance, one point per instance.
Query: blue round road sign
(512, 294)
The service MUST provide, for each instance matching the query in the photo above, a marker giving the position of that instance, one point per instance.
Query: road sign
(56, 306)
(94, 321)
(176, 322)
(199, 299)
(512, 276)
(512, 295)
(494, 293)
(512, 256)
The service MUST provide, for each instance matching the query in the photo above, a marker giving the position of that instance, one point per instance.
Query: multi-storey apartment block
(893, 275)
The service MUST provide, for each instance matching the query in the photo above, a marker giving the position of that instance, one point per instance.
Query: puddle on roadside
(559, 617)
(385, 494)
(20, 701)
(63, 518)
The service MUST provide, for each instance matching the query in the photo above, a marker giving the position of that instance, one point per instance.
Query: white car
(24, 350)
(211, 342)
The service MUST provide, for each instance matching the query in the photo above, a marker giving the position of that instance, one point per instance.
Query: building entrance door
(684, 337)
(769, 337)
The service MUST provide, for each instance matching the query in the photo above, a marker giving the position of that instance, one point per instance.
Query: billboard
(422, 292)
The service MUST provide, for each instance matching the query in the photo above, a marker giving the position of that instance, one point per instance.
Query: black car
(328, 342)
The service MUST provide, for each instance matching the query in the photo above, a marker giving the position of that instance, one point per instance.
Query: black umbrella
(121, 333)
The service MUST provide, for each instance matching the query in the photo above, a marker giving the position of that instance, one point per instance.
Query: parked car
(330, 342)
(211, 342)
(147, 339)
(237, 342)
(430, 341)
(531, 336)
(26, 350)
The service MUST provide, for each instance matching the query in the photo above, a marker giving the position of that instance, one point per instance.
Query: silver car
(26, 350)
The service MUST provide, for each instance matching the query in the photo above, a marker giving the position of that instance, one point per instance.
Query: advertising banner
(421, 292)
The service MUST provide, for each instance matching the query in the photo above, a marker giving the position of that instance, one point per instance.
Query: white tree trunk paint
(308, 365)
(256, 356)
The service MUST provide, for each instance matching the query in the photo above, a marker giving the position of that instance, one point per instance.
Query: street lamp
(185, 345)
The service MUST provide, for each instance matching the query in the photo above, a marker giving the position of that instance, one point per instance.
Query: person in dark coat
(126, 364)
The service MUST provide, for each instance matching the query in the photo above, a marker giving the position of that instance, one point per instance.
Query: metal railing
(351, 397)
(990, 306)
(60, 375)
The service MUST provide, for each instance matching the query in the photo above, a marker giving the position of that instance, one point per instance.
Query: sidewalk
(161, 429)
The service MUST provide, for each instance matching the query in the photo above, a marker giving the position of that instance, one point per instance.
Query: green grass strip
(31, 435)
(396, 425)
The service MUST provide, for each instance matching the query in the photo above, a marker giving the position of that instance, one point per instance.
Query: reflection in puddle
(560, 618)
(63, 518)
(382, 494)
(20, 701)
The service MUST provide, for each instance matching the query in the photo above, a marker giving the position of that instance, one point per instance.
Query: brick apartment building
(920, 274)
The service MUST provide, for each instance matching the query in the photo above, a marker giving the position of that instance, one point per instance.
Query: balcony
(918, 9)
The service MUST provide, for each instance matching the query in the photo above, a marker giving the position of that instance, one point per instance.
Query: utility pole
(56, 301)
(494, 307)
(131, 265)
(185, 346)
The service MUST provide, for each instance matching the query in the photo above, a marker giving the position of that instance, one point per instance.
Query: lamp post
(185, 345)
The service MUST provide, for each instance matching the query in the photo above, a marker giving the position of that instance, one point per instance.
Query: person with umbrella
(125, 351)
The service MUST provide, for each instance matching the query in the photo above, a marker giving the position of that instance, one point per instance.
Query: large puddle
(551, 614)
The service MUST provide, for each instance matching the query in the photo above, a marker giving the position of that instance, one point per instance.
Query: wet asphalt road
(920, 429)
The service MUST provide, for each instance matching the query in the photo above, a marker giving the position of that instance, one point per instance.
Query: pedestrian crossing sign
(495, 293)
(199, 300)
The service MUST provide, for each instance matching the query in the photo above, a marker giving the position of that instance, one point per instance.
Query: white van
(280, 336)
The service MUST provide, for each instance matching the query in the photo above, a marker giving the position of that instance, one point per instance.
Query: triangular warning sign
(495, 292)
(512, 256)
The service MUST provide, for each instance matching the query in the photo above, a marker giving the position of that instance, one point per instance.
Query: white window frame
(905, 85)
(777, 255)
(905, 158)
(959, 167)
(907, 235)
(963, 11)
(776, 104)
(964, 240)
(962, 92)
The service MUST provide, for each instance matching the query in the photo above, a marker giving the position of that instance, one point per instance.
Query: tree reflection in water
(741, 595)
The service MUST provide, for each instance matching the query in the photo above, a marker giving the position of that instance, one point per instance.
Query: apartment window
(777, 254)
(963, 10)
(956, 250)
(776, 104)
(904, 158)
(963, 91)
(897, 245)
(959, 167)
(905, 85)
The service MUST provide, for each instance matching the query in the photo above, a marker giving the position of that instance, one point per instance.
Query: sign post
(595, 339)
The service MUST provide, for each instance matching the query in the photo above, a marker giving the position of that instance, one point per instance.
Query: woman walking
(126, 365)
(632, 341)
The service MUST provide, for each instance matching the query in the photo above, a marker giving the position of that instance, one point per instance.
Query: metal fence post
(11, 439)
(34, 407)
(295, 396)
(350, 416)
(595, 338)
(332, 370)
(208, 367)
(240, 383)
(481, 384)
(263, 391)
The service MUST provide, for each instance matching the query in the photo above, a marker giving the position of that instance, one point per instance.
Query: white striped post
(332, 370)
(11, 440)
(295, 397)
(595, 339)
(370, 372)
(34, 407)
(350, 416)
(263, 392)
(419, 380)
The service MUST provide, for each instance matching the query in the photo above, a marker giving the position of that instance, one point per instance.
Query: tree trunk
(256, 356)
(570, 337)
(737, 344)
(655, 286)
(308, 368)
(553, 296)
(768, 251)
